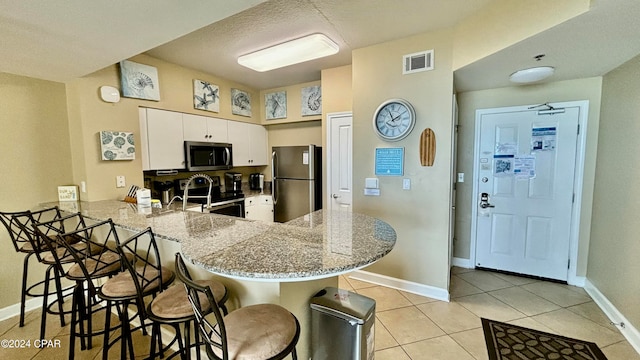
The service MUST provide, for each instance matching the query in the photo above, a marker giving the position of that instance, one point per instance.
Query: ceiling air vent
(416, 62)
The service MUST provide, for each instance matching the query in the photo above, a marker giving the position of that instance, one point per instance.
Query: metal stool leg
(23, 292)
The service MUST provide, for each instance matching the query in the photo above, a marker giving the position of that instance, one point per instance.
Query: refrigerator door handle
(274, 183)
(312, 160)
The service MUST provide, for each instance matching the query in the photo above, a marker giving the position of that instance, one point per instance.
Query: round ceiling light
(532, 75)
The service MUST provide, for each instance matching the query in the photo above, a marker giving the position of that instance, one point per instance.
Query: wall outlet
(120, 181)
(83, 186)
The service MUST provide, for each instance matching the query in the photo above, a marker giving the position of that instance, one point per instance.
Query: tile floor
(412, 327)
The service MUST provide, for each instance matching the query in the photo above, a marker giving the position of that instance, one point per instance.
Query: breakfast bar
(260, 262)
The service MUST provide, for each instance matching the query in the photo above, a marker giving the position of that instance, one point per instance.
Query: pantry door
(525, 190)
(340, 164)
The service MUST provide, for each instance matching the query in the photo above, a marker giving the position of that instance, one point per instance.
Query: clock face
(394, 120)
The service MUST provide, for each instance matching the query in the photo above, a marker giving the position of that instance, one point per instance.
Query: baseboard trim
(463, 263)
(579, 281)
(14, 310)
(31, 304)
(404, 285)
(628, 331)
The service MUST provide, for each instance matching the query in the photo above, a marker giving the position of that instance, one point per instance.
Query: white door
(525, 182)
(340, 150)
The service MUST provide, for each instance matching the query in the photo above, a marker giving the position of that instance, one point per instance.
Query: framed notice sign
(389, 161)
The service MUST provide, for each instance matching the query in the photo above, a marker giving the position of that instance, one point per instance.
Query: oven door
(235, 208)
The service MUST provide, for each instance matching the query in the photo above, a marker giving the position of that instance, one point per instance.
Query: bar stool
(94, 259)
(264, 331)
(19, 227)
(144, 276)
(172, 307)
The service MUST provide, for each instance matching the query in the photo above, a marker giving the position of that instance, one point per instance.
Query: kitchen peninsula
(260, 262)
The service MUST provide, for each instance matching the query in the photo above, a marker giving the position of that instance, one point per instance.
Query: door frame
(574, 240)
(330, 118)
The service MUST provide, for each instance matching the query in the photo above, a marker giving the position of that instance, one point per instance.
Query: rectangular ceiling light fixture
(306, 48)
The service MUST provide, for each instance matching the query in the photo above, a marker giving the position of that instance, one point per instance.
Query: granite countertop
(317, 245)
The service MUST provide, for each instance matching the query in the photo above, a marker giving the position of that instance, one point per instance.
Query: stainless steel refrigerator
(297, 181)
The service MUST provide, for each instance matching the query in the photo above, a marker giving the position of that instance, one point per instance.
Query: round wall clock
(394, 119)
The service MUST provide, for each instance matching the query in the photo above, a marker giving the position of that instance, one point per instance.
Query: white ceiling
(352, 24)
(588, 45)
(61, 41)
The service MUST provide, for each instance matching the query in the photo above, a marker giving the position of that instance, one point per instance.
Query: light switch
(460, 177)
(406, 184)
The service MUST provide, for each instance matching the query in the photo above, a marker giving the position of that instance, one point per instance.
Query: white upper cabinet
(161, 136)
(249, 143)
(204, 128)
(163, 133)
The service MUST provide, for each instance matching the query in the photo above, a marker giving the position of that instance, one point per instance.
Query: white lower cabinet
(259, 208)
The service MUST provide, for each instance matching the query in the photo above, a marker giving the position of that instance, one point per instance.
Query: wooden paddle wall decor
(427, 147)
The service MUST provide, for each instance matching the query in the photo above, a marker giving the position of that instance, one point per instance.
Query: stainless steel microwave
(205, 156)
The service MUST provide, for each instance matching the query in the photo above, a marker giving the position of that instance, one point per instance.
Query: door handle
(335, 196)
(484, 201)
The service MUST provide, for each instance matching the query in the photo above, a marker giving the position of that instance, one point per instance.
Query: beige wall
(337, 92)
(613, 255)
(419, 215)
(36, 158)
(88, 115)
(469, 102)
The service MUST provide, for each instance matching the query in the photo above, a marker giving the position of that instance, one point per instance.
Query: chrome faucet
(173, 199)
(185, 195)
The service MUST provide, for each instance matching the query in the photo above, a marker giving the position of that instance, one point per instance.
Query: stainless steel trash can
(342, 325)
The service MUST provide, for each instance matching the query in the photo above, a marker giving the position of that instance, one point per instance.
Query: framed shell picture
(275, 105)
(117, 145)
(311, 101)
(139, 81)
(240, 102)
(206, 96)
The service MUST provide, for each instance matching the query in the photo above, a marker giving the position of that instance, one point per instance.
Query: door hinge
(578, 129)
(573, 198)
(569, 264)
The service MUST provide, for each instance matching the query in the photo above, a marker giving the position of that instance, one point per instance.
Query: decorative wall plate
(240, 102)
(139, 81)
(117, 145)
(276, 105)
(206, 96)
(311, 101)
